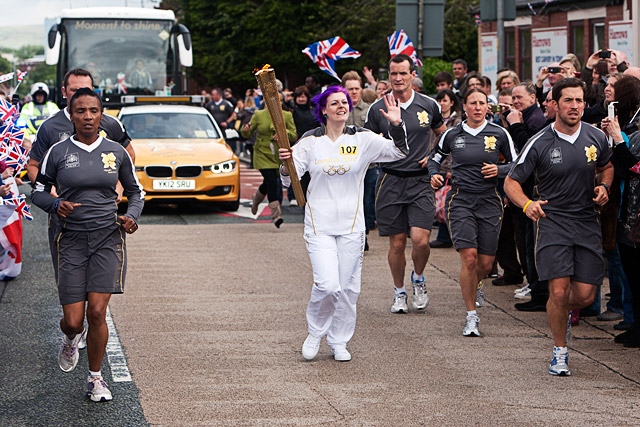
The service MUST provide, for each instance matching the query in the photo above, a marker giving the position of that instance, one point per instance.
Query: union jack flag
(11, 149)
(14, 155)
(23, 209)
(6, 77)
(8, 111)
(326, 52)
(9, 76)
(399, 42)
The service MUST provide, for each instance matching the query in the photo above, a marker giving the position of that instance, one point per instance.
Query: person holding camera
(552, 73)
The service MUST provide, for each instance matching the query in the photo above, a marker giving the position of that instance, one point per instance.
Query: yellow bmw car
(181, 155)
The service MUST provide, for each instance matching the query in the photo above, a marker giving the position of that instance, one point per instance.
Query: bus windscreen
(124, 55)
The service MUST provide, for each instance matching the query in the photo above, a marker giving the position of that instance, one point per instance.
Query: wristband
(526, 205)
(606, 186)
(55, 206)
(281, 172)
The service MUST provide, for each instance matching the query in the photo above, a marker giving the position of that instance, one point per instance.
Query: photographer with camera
(552, 73)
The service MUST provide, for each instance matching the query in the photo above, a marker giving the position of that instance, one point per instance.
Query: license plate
(174, 184)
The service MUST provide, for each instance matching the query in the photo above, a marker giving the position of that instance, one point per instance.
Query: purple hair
(320, 101)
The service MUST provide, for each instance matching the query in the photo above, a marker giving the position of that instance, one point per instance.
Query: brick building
(544, 31)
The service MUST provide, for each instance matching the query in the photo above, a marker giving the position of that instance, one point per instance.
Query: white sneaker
(400, 303)
(310, 347)
(479, 295)
(471, 326)
(68, 355)
(97, 389)
(420, 298)
(82, 344)
(523, 292)
(293, 202)
(559, 363)
(340, 353)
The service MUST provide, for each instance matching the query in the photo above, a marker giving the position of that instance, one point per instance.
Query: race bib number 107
(349, 150)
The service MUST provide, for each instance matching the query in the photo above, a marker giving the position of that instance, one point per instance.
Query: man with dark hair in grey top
(91, 245)
(404, 197)
(570, 164)
(59, 126)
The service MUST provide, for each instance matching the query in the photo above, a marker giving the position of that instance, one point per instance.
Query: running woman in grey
(91, 244)
(569, 161)
(473, 205)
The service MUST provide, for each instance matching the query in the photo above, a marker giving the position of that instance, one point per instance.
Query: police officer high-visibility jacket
(34, 115)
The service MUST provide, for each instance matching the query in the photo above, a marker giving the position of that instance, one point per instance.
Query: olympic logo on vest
(332, 170)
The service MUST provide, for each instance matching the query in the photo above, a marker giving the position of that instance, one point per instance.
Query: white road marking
(245, 211)
(115, 354)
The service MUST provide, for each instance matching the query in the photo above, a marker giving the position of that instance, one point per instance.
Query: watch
(606, 186)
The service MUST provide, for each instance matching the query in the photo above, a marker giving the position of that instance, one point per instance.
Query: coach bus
(129, 51)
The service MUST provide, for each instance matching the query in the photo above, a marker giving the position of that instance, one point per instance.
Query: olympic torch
(267, 81)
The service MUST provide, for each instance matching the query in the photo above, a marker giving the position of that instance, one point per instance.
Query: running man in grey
(569, 161)
(404, 198)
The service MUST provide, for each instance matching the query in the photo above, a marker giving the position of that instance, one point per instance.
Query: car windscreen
(169, 126)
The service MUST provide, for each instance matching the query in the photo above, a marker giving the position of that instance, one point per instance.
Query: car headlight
(224, 167)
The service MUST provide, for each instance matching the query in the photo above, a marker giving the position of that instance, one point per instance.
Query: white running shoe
(471, 326)
(340, 353)
(420, 298)
(82, 344)
(68, 355)
(559, 363)
(97, 389)
(400, 303)
(479, 295)
(310, 347)
(523, 292)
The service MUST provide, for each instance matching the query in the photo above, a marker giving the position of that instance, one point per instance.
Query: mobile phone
(605, 54)
(554, 70)
(611, 113)
(611, 110)
(495, 108)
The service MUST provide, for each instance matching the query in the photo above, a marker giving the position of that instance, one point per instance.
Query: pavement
(212, 322)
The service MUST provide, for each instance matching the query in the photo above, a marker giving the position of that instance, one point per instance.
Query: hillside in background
(15, 37)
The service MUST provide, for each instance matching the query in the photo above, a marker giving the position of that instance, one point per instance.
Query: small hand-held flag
(326, 52)
(399, 42)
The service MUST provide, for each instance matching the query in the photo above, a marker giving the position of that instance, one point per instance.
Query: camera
(495, 108)
(605, 54)
(554, 70)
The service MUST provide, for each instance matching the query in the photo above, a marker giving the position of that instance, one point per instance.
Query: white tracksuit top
(337, 168)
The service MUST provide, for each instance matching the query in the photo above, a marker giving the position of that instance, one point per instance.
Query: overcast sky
(34, 12)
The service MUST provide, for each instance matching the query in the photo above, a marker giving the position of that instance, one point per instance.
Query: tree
(460, 32)
(28, 51)
(5, 65)
(232, 38)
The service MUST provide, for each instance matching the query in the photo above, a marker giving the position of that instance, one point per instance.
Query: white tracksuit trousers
(337, 266)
